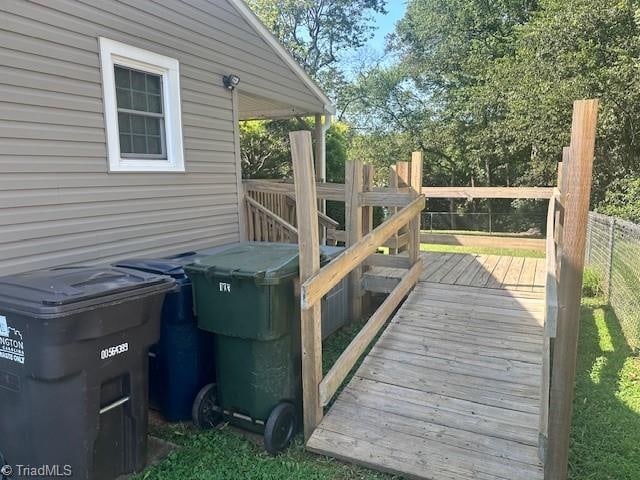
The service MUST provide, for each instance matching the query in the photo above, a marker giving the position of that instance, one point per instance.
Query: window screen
(140, 113)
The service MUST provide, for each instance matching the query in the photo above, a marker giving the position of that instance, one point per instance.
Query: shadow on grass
(605, 438)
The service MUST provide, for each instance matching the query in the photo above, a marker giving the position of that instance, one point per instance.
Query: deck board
(451, 389)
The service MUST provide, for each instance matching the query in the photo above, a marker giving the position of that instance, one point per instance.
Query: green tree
(319, 32)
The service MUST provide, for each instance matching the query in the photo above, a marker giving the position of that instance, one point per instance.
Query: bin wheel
(280, 428)
(206, 413)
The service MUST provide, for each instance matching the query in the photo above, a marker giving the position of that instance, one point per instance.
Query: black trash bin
(73, 369)
(182, 362)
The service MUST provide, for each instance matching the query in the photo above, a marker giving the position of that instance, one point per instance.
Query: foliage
(263, 151)
(592, 282)
(318, 32)
(622, 199)
(485, 89)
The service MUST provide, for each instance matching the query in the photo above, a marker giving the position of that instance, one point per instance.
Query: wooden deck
(489, 271)
(452, 388)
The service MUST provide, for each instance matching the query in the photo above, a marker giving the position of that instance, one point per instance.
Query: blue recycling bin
(182, 362)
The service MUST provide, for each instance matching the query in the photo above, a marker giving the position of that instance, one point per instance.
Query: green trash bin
(245, 295)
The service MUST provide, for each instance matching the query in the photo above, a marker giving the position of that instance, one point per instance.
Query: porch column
(320, 155)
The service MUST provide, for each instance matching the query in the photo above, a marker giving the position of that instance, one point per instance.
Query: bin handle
(115, 404)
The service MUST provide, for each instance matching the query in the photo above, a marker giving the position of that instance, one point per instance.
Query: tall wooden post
(321, 167)
(402, 169)
(367, 222)
(353, 183)
(576, 211)
(393, 184)
(415, 182)
(308, 241)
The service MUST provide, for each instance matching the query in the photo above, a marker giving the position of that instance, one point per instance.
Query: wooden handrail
(328, 277)
(278, 221)
(327, 221)
(388, 198)
(488, 192)
(334, 378)
(326, 191)
(551, 284)
(550, 321)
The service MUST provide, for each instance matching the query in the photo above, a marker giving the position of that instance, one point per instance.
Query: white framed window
(141, 91)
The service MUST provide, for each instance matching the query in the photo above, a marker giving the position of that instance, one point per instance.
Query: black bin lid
(68, 288)
(172, 266)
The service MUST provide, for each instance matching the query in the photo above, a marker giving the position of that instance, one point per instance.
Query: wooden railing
(265, 226)
(552, 263)
(277, 210)
(362, 243)
(405, 197)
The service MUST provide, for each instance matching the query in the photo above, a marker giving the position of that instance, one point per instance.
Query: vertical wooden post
(353, 182)
(308, 241)
(576, 211)
(402, 169)
(393, 184)
(415, 182)
(321, 167)
(367, 186)
(367, 222)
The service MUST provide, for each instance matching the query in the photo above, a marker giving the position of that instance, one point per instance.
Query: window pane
(137, 91)
(137, 124)
(139, 101)
(153, 83)
(138, 80)
(125, 143)
(139, 144)
(154, 144)
(124, 122)
(124, 98)
(153, 125)
(155, 103)
(122, 77)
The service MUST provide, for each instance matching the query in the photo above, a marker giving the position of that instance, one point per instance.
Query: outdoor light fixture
(231, 81)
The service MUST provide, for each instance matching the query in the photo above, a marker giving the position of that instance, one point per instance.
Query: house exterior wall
(58, 203)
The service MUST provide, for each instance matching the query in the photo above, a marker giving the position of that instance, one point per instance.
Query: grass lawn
(605, 438)
(225, 454)
(511, 252)
(605, 442)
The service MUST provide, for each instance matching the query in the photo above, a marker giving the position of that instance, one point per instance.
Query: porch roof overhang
(257, 107)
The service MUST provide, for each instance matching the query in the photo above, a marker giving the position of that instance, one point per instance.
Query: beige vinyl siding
(58, 203)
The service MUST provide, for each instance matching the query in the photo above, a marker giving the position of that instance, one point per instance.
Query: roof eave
(282, 52)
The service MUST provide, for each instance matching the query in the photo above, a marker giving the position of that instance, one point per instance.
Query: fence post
(402, 169)
(415, 182)
(576, 211)
(367, 222)
(610, 247)
(309, 244)
(353, 183)
(393, 184)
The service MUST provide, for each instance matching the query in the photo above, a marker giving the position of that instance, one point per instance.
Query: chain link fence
(529, 224)
(613, 251)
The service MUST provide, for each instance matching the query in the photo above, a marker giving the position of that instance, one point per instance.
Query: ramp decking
(451, 390)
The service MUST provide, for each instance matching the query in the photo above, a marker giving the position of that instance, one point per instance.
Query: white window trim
(112, 53)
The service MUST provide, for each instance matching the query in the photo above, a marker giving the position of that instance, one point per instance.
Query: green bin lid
(266, 263)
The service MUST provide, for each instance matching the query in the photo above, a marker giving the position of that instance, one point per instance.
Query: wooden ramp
(451, 390)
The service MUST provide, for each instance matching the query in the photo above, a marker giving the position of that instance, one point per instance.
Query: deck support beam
(308, 241)
(578, 174)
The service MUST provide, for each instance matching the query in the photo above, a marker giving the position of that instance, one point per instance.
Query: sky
(386, 23)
